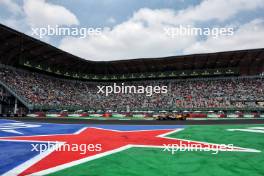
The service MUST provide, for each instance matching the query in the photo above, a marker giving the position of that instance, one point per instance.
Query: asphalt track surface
(140, 122)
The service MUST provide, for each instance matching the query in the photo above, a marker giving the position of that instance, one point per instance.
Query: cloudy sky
(135, 28)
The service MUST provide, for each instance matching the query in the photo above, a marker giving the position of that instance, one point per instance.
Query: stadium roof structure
(16, 45)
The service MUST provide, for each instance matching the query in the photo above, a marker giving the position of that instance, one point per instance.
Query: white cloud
(111, 20)
(247, 36)
(143, 36)
(11, 6)
(218, 9)
(207, 10)
(18, 24)
(41, 13)
(36, 13)
(138, 37)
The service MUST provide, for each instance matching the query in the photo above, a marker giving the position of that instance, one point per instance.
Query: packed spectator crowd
(41, 89)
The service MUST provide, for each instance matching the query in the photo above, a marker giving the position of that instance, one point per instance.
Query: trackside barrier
(107, 115)
(138, 115)
(232, 115)
(213, 115)
(249, 115)
(95, 115)
(52, 115)
(198, 115)
(74, 115)
(118, 115)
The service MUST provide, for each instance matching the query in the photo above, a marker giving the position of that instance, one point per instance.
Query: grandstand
(36, 76)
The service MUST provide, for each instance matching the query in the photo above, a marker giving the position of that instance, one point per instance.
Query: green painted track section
(155, 162)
